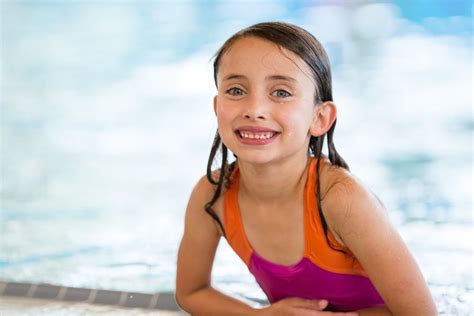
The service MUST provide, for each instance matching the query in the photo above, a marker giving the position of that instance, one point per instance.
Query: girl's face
(265, 102)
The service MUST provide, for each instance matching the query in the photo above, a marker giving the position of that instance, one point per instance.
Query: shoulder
(203, 189)
(348, 205)
(203, 193)
(361, 221)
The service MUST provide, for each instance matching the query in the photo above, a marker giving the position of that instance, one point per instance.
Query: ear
(324, 116)
(215, 104)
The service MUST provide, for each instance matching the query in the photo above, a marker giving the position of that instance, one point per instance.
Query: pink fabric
(344, 292)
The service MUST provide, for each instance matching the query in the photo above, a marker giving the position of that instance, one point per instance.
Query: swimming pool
(107, 126)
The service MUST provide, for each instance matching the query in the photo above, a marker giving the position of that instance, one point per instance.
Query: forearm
(209, 302)
(375, 311)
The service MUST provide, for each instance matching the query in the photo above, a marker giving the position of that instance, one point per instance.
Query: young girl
(316, 239)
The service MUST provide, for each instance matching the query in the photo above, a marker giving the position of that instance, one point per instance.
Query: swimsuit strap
(232, 221)
(317, 248)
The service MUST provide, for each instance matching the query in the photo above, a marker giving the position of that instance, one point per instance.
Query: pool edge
(156, 301)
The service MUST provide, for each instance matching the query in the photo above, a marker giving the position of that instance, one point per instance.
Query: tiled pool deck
(27, 295)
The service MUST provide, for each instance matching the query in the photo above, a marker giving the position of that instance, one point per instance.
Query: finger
(317, 305)
(301, 311)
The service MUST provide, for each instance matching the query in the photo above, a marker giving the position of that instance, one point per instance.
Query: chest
(275, 233)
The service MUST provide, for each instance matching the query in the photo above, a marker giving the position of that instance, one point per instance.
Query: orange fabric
(232, 222)
(316, 248)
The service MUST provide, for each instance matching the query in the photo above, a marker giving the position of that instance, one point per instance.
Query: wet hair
(307, 47)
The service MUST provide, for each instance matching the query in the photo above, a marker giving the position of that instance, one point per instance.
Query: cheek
(296, 121)
(225, 115)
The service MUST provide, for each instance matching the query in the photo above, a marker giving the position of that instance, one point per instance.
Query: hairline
(230, 43)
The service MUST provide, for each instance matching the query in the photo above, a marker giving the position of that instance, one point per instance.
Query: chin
(255, 158)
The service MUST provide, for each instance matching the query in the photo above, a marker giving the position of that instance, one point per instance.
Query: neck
(275, 183)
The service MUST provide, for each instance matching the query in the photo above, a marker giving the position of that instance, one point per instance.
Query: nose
(257, 108)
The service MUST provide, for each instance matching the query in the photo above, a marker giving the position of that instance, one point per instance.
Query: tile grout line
(123, 298)
(154, 301)
(92, 296)
(31, 291)
(61, 293)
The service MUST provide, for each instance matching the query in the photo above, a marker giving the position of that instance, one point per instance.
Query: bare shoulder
(201, 195)
(203, 190)
(361, 221)
(347, 201)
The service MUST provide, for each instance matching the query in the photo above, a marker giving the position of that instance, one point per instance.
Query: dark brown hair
(308, 48)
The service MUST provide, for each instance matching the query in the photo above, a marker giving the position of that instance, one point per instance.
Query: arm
(360, 221)
(196, 253)
(194, 292)
(376, 311)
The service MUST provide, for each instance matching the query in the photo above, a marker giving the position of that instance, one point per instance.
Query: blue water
(106, 123)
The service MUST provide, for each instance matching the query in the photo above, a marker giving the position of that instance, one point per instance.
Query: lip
(255, 129)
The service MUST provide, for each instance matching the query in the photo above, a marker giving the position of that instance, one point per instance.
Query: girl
(317, 241)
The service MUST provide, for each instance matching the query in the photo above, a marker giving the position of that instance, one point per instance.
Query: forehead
(252, 55)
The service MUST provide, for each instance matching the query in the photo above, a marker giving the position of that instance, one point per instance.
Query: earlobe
(324, 116)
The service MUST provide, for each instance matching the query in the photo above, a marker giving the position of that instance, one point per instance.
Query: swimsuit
(322, 273)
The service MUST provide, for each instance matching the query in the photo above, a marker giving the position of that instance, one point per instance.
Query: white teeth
(266, 135)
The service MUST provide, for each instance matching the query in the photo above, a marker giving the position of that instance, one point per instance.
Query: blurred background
(107, 122)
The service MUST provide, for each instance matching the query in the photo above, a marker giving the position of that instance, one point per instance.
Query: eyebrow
(280, 77)
(268, 78)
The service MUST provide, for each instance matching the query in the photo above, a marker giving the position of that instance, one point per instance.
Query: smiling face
(265, 103)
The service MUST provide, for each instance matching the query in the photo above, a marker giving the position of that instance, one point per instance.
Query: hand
(295, 306)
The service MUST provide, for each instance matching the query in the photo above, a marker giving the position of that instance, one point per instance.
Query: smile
(253, 135)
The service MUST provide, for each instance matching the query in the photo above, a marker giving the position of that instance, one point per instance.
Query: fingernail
(322, 303)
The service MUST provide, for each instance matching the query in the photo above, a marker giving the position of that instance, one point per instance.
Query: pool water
(107, 122)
